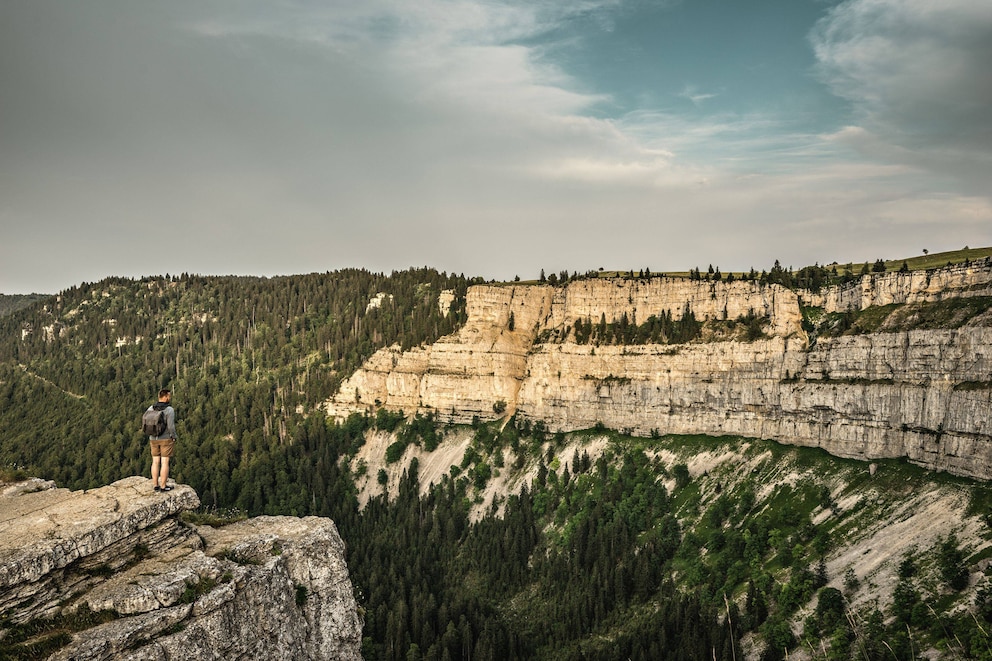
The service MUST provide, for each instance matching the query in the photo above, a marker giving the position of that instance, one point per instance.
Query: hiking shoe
(166, 489)
(157, 488)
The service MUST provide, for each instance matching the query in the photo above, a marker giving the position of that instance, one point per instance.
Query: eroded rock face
(272, 587)
(901, 394)
(912, 287)
(872, 396)
(639, 299)
(479, 369)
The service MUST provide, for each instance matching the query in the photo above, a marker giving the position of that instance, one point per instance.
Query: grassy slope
(939, 259)
(920, 262)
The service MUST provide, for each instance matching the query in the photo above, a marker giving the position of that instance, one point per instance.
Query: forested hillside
(247, 360)
(597, 545)
(10, 303)
(604, 546)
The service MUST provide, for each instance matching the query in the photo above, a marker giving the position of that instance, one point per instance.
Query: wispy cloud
(459, 52)
(918, 77)
(509, 108)
(454, 133)
(691, 93)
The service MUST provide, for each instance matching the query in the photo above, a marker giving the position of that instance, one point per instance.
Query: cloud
(297, 136)
(458, 76)
(917, 75)
(694, 95)
(456, 51)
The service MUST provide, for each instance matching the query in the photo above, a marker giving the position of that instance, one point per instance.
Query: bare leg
(155, 463)
(165, 472)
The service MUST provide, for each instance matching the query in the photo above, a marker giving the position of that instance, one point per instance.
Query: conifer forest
(610, 556)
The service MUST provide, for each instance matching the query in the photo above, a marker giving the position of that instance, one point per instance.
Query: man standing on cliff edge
(164, 444)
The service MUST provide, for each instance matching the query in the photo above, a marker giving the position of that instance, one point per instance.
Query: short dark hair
(164, 392)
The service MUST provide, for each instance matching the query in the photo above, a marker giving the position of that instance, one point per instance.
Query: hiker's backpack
(153, 422)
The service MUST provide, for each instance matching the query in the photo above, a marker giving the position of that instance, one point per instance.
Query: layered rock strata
(913, 287)
(924, 395)
(272, 587)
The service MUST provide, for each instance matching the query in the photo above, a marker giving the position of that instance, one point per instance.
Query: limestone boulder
(272, 587)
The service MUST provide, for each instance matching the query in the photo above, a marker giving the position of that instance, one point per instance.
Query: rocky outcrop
(920, 394)
(638, 299)
(875, 396)
(913, 287)
(271, 587)
(484, 364)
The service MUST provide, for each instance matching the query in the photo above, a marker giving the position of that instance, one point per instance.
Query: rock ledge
(271, 587)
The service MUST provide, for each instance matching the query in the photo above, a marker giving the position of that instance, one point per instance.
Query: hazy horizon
(491, 139)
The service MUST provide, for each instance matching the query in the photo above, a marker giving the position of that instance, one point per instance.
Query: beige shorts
(164, 447)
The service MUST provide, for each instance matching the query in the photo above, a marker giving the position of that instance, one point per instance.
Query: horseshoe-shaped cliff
(566, 355)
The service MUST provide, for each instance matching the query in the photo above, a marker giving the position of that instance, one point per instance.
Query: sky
(485, 137)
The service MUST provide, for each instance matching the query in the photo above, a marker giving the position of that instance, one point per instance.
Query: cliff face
(639, 299)
(912, 287)
(883, 395)
(271, 587)
(488, 359)
(920, 394)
